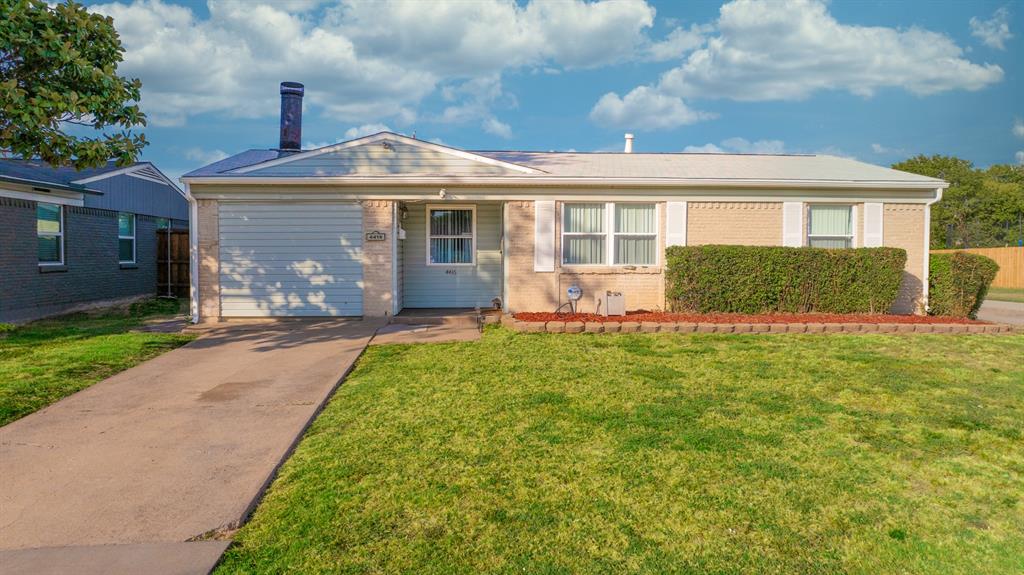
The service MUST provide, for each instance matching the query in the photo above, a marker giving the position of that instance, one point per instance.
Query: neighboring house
(69, 238)
(377, 224)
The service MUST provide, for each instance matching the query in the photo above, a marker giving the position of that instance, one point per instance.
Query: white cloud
(203, 156)
(740, 146)
(645, 109)
(497, 127)
(880, 149)
(789, 51)
(365, 130)
(1019, 156)
(1018, 127)
(995, 31)
(360, 61)
(473, 101)
(678, 42)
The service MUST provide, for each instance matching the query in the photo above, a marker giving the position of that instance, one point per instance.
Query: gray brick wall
(92, 272)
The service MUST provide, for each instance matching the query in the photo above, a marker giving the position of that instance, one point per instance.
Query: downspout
(193, 254)
(927, 246)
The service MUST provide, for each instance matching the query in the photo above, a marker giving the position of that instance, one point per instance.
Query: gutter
(544, 181)
(50, 185)
(928, 243)
(193, 254)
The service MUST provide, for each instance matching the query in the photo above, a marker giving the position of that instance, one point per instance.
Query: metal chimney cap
(292, 88)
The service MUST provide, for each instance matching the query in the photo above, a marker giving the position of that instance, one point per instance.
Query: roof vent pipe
(291, 116)
(629, 144)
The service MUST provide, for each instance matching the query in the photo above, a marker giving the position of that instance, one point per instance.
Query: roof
(39, 173)
(362, 159)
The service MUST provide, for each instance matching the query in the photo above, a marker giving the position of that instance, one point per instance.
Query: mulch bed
(666, 317)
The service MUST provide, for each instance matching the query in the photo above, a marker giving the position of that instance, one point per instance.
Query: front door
(452, 255)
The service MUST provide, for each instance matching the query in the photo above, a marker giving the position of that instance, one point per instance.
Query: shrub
(751, 279)
(958, 283)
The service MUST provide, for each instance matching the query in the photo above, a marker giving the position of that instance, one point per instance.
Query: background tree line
(981, 208)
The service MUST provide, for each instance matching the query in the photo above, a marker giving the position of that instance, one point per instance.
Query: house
(70, 238)
(385, 222)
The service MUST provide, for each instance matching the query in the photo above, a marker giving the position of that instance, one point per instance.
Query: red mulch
(666, 317)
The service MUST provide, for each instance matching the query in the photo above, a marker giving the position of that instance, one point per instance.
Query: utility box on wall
(610, 303)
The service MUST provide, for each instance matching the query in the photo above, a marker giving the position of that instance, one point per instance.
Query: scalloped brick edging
(768, 328)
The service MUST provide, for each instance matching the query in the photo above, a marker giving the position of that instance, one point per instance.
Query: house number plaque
(375, 236)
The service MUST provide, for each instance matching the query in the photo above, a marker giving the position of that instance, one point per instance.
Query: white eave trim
(542, 181)
(135, 172)
(387, 136)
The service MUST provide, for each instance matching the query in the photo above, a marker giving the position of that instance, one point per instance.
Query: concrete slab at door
(173, 448)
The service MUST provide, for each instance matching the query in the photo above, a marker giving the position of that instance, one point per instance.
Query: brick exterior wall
(734, 223)
(643, 287)
(91, 271)
(903, 226)
(377, 259)
(746, 223)
(208, 233)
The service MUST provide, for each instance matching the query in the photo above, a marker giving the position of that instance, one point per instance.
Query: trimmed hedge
(958, 283)
(752, 279)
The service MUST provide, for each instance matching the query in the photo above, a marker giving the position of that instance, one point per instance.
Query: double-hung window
(584, 234)
(452, 235)
(830, 226)
(50, 233)
(609, 233)
(636, 234)
(126, 238)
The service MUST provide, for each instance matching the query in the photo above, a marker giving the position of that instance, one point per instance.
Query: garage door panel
(291, 259)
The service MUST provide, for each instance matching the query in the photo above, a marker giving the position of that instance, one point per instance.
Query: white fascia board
(53, 197)
(132, 171)
(542, 181)
(386, 136)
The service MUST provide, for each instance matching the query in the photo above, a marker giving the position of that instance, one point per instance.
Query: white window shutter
(675, 224)
(793, 224)
(544, 236)
(872, 225)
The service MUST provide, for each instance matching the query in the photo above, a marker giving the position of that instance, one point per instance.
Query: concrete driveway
(172, 449)
(1002, 312)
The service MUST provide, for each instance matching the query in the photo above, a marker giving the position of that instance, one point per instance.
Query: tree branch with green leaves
(58, 71)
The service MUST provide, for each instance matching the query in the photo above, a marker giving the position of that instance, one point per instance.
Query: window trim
(59, 235)
(429, 236)
(615, 234)
(603, 234)
(131, 237)
(853, 225)
(610, 234)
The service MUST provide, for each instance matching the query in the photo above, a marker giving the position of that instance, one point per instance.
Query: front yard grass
(542, 453)
(1006, 294)
(46, 360)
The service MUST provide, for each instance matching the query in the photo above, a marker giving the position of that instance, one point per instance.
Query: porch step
(451, 317)
(461, 320)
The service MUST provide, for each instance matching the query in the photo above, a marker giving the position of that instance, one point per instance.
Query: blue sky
(878, 81)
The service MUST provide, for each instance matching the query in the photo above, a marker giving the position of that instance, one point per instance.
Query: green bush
(751, 279)
(958, 283)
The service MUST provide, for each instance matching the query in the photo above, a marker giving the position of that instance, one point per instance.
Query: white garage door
(291, 259)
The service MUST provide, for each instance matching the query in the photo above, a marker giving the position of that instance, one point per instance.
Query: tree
(58, 70)
(981, 208)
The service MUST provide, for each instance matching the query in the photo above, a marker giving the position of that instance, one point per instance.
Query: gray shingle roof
(686, 167)
(39, 171)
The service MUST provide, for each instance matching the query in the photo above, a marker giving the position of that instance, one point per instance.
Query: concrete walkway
(169, 450)
(1002, 312)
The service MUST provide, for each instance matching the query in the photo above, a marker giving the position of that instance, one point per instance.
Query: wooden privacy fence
(1010, 260)
(172, 269)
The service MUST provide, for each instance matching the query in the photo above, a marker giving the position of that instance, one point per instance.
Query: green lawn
(46, 360)
(1006, 294)
(541, 453)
